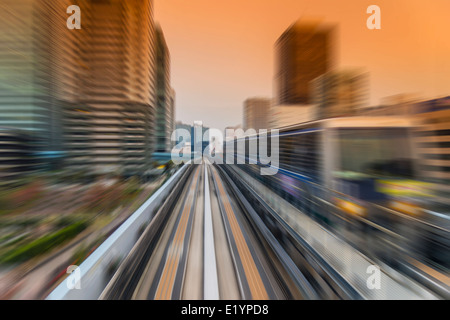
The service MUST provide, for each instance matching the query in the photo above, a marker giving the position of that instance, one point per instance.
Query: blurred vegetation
(41, 213)
(43, 244)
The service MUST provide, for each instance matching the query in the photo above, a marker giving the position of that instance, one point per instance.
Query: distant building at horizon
(396, 105)
(16, 155)
(199, 135)
(257, 113)
(432, 117)
(172, 111)
(236, 127)
(230, 132)
(303, 53)
(340, 93)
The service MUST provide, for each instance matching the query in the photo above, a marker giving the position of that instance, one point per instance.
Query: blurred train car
(360, 173)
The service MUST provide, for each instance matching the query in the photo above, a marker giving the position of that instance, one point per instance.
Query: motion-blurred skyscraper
(88, 97)
(165, 113)
(303, 53)
(257, 113)
(111, 130)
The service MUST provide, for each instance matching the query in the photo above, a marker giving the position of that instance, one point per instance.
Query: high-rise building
(340, 93)
(16, 155)
(165, 95)
(111, 128)
(87, 96)
(303, 53)
(38, 72)
(257, 113)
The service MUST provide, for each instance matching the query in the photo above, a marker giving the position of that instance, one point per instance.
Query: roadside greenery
(43, 244)
(41, 214)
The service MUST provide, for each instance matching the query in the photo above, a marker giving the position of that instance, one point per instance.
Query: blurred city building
(182, 126)
(165, 102)
(171, 119)
(111, 130)
(431, 119)
(257, 113)
(229, 131)
(89, 98)
(340, 93)
(38, 77)
(16, 155)
(303, 53)
(199, 136)
(404, 104)
(433, 142)
(287, 115)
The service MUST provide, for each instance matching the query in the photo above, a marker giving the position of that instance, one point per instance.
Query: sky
(222, 51)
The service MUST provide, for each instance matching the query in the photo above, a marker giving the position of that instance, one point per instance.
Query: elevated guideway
(214, 232)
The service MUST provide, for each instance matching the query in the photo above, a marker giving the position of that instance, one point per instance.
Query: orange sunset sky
(222, 51)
